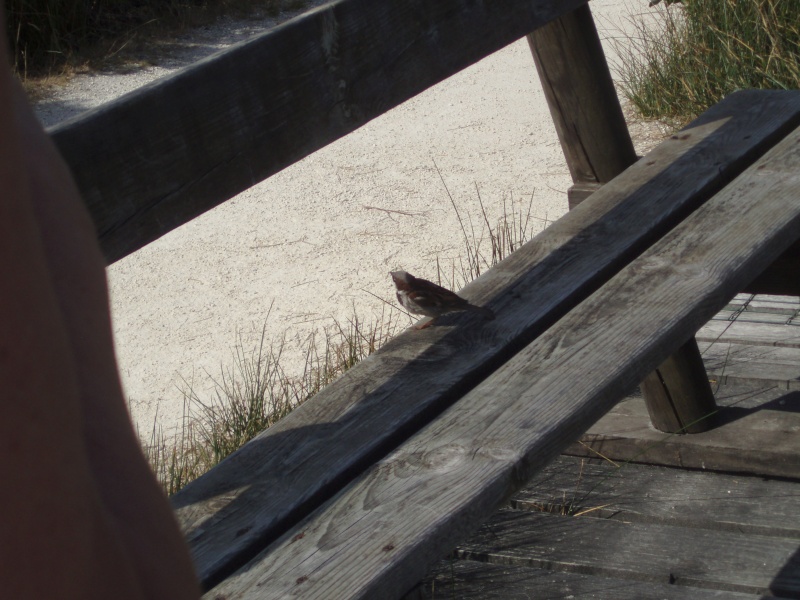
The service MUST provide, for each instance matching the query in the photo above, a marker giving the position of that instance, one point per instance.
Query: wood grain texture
(775, 333)
(160, 156)
(473, 580)
(762, 441)
(257, 494)
(677, 394)
(695, 558)
(666, 496)
(378, 535)
(777, 365)
(781, 277)
(582, 98)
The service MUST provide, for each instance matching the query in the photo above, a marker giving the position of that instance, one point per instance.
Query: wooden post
(678, 396)
(582, 99)
(597, 145)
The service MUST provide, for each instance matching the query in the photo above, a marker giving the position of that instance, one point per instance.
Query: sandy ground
(315, 242)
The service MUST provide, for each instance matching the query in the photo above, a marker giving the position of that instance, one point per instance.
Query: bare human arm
(81, 516)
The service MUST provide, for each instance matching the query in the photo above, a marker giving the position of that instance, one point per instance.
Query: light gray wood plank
(262, 490)
(717, 560)
(473, 580)
(727, 361)
(379, 534)
(756, 332)
(758, 441)
(667, 496)
(781, 304)
(160, 156)
(582, 98)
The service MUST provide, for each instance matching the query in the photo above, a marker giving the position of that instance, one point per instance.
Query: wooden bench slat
(259, 492)
(160, 156)
(378, 536)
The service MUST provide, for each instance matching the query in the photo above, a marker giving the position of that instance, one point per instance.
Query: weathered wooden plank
(764, 330)
(472, 580)
(377, 536)
(582, 98)
(778, 304)
(160, 156)
(696, 558)
(759, 441)
(745, 362)
(262, 490)
(667, 496)
(780, 277)
(677, 394)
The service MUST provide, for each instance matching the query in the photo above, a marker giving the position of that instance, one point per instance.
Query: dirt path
(316, 241)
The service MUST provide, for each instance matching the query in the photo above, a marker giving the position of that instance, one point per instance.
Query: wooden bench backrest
(160, 156)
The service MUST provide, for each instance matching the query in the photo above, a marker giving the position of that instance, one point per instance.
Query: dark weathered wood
(596, 143)
(628, 493)
(779, 366)
(757, 441)
(378, 535)
(258, 493)
(160, 156)
(667, 496)
(582, 99)
(579, 192)
(782, 276)
(744, 332)
(678, 396)
(690, 557)
(472, 580)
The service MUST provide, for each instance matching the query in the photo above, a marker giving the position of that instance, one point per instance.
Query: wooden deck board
(667, 496)
(658, 533)
(647, 552)
(473, 580)
(761, 441)
(753, 363)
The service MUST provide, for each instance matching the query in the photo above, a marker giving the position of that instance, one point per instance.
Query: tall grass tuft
(254, 393)
(706, 49)
(45, 35)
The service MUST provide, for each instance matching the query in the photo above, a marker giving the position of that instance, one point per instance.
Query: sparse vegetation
(57, 36)
(256, 392)
(707, 49)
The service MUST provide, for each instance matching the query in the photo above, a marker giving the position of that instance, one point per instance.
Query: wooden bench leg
(582, 98)
(597, 145)
(678, 394)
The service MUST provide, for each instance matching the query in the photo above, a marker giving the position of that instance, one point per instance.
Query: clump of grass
(254, 393)
(706, 49)
(487, 245)
(52, 36)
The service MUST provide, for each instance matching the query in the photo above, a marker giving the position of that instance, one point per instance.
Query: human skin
(82, 515)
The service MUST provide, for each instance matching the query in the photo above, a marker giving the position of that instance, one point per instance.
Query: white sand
(316, 240)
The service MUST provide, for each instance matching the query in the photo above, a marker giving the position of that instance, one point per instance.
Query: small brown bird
(423, 297)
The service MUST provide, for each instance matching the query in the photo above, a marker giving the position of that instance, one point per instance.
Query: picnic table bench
(359, 490)
(363, 487)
